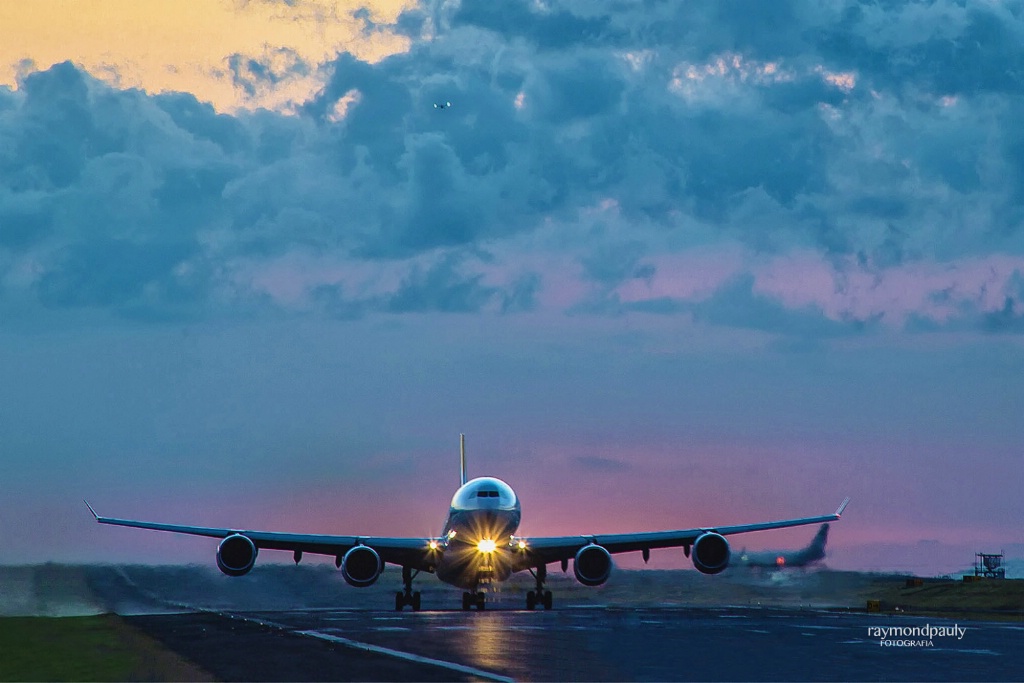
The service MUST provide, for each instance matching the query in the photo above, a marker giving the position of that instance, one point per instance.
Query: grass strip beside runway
(93, 648)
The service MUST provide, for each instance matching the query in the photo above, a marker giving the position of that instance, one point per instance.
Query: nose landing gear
(470, 600)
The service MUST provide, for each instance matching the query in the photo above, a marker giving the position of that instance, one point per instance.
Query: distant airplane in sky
(476, 548)
(781, 559)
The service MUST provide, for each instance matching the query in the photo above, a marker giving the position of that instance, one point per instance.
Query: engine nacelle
(711, 553)
(593, 565)
(236, 555)
(361, 566)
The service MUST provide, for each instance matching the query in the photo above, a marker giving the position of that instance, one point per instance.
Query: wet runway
(656, 625)
(668, 644)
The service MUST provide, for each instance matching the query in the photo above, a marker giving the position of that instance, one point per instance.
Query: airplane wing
(412, 552)
(557, 548)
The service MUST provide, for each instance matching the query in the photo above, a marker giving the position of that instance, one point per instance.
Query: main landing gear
(407, 597)
(539, 596)
(470, 600)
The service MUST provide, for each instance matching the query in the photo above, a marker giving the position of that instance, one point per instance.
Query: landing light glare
(486, 546)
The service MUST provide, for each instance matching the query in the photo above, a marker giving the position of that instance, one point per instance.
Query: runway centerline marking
(367, 647)
(408, 656)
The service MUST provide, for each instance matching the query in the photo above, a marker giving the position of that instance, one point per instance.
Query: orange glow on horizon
(169, 45)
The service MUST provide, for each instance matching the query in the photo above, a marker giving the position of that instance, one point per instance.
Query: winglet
(462, 454)
(842, 506)
(91, 510)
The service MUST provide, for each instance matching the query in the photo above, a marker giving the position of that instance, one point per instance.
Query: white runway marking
(367, 647)
(398, 654)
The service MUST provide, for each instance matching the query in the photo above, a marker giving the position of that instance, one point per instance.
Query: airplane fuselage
(477, 539)
(803, 557)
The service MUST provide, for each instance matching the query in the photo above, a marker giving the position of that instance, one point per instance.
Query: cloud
(1009, 317)
(442, 288)
(596, 159)
(739, 304)
(545, 28)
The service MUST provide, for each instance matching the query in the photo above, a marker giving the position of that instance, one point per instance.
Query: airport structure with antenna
(989, 566)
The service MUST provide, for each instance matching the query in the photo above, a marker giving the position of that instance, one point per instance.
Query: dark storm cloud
(105, 272)
(57, 131)
(437, 213)
(883, 135)
(583, 89)
(25, 218)
(254, 74)
(556, 29)
(943, 47)
(449, 283)
(521, 294)
(614, 263)
(443, 288)
(781, 155)
(738, 305)
(199, 121)
(99, 192)
(1008, 319)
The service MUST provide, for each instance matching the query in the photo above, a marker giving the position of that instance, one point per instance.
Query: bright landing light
(486, 546)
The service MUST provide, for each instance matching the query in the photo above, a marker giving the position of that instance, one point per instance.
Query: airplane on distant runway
(782, 559)
(476, 548)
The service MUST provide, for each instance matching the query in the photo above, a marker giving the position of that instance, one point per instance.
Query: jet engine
(710, 553)
(593, 565)
(361, 566)
(236, 555)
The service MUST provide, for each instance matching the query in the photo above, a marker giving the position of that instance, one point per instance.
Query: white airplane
(477, 547)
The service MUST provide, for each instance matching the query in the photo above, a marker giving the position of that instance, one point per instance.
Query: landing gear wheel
(467, 600)
(407, 597)
(480, 601)
(539, 596)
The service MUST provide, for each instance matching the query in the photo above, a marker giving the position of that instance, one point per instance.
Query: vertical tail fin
(816, 550)
(462, 454)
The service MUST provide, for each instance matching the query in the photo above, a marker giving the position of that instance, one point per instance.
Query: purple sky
(666, 265)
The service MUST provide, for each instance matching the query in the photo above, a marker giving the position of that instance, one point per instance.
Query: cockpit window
(486, 494)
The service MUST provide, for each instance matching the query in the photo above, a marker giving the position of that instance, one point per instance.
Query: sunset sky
(666, 264)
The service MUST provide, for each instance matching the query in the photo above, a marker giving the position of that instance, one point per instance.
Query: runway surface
(601, 643)
(302, 623)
